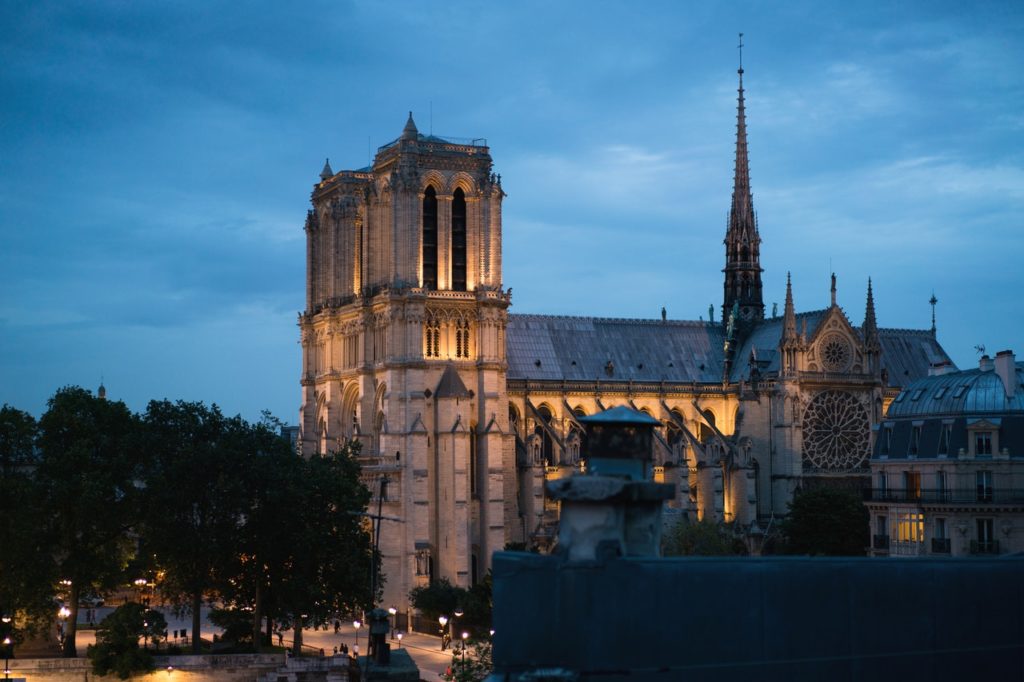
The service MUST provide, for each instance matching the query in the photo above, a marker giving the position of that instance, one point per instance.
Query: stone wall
(226, 668)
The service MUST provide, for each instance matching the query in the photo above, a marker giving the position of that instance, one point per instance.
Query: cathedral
(463, 410)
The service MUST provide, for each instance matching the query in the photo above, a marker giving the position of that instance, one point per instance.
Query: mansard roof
(547, 347)
(971, 392)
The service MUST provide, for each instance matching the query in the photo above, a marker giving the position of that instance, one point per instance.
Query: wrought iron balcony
(984, 547)
(947, 496)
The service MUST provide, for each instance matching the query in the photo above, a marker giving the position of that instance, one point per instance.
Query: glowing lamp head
(442, 620)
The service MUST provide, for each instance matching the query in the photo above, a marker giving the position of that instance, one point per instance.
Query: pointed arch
(429, 234)
(458, 253)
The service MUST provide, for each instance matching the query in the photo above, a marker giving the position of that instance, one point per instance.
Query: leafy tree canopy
(701, 538)
(117, 647)
(827, 522)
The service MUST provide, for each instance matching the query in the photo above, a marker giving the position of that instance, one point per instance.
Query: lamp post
(63, 612)
(464, 636)
(443, 620)
(399, 635)
(394, 620)
(7, 656)
(357, 624)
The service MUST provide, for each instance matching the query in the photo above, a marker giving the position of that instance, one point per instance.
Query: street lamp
(356, 624)
(394, 620)
(63, 612)
(464, 636)
(399, 635)
(443, 620)
(7, 654)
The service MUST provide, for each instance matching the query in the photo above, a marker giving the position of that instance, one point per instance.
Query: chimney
(937, 369)
(985, 364)
(1006, 368)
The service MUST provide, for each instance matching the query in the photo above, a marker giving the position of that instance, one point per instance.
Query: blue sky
(156, 161)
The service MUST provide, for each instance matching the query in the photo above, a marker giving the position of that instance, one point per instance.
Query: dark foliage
(827, 522)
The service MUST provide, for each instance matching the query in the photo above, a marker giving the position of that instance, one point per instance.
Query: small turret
(789, 314)
(410, 132)
(101, 392)
(326, 173)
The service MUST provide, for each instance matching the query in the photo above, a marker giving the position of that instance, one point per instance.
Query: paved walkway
(425, 650)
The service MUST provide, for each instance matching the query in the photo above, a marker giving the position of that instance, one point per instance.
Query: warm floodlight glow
(442, 620)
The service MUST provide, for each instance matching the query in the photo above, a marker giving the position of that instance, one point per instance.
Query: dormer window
(983, 443)
(915, 441)
(917, 394)
(900, 397)
(959, 391)
(941, 392)
(944, 440)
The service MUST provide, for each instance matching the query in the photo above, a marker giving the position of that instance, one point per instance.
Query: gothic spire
(789, 314)
(870, 327)
(326, 173)
(742, 241)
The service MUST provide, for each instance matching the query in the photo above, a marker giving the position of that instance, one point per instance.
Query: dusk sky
(156, 161)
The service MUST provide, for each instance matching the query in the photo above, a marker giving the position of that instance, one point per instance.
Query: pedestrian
(335, 651)
(355, 650)
(280, 638)
(337, 626)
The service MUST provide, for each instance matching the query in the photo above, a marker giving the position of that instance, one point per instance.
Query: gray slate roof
(545, 347)
(555, 348)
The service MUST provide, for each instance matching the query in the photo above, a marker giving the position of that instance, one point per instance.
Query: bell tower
(403, 346)
(742, 241)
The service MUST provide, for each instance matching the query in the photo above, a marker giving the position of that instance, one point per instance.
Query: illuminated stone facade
(409, 348)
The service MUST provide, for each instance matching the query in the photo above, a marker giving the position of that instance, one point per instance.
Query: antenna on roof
(933, 301)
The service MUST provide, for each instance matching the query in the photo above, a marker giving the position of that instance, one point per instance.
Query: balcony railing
(879, 542)
(947, 496)
(984, 547)
(941, 546)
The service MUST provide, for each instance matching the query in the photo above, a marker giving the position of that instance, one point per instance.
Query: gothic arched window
(459, 240)
(548, 446)
(430, 239)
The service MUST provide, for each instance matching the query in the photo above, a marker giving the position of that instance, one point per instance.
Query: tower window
(430, 239)
(462, 339)
(459, 241)
(432, 340)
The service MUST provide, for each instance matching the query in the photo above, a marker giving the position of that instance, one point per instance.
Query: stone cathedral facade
(463, 409)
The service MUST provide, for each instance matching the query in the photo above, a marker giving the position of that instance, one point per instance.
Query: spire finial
(740, 47)
(933, 301)
(833, 289)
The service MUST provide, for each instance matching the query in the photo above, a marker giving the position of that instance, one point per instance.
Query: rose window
(836, 429)
(835, 353)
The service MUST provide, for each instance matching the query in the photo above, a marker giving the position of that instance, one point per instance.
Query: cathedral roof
(555, 348)
(547, 347)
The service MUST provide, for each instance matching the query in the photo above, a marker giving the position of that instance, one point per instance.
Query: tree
(117, 641)
(827, 522)
(194, 498)
(703, 538)
(330, 557)
(87, 472)
(442, 598)
(27, 569)
(470, 664)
